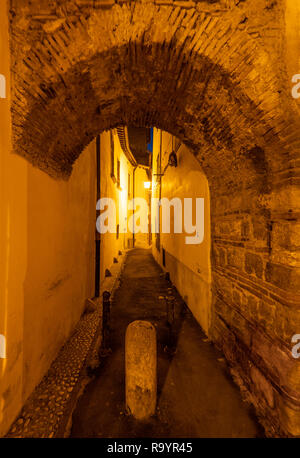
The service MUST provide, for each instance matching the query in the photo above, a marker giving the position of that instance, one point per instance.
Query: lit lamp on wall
(173, 159)
(147, 184)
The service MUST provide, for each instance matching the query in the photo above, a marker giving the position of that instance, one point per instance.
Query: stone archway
(203, 75)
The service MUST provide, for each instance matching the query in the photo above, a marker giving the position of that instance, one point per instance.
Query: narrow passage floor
(196, 395)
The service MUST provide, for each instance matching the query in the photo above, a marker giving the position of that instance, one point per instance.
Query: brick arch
(83, 79)
(202, 77)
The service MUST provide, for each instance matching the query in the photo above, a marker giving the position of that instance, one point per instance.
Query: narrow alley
(149, 171)
(196, 396)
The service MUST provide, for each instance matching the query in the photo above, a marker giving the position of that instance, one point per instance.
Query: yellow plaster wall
(110, 245)
(46, 257)
(189, 265)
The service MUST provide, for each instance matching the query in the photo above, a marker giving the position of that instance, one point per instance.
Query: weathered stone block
(252, 307)
(245, 230)
(263, 386)
(241, 328)
(222, 257)
(235, 258)
(289, 417)
(284, 277)
(266, 315)
(254, 264)
(260, 228)
(224, 289)
(219, 256)
(236, 296)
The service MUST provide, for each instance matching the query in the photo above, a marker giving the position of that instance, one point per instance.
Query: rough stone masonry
(216, 75)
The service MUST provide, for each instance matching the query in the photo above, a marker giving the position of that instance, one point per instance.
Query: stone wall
(216, 75)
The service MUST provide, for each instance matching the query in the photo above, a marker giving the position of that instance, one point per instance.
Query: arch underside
(82, 79)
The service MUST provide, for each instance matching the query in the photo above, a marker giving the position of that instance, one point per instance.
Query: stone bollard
(105, 320)
(140, 369)
(170, 303)
(170, 300)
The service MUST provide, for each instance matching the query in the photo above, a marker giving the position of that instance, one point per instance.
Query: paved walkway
(197, 397)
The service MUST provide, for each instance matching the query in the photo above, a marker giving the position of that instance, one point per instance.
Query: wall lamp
(173, 160)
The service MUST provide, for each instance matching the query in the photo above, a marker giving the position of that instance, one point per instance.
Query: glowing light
(2, 347)
(147, 184)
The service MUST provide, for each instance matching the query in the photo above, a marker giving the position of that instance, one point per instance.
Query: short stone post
(105, 320)
(140, 369)
(170, 302)
(170, 309)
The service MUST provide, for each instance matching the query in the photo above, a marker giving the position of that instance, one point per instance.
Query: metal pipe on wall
(97, 235)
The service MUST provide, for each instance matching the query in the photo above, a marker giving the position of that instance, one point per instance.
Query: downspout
(98, 236)
(160, 186)
(133, 194)
(160, 162)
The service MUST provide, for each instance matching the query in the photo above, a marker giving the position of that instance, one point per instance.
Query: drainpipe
(133, 193)
(98, 236)
(160, 162)
(158, 238)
